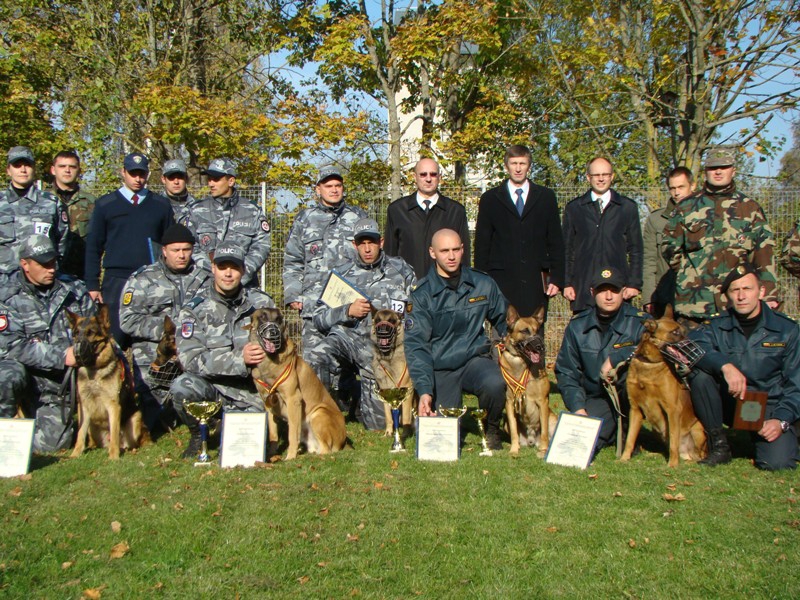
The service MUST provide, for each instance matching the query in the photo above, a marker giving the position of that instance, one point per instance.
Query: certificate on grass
(338, 291)
(437, 438)
(573, 442)
(16, 443)
(244, 437)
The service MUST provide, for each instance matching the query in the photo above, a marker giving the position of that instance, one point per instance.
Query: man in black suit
(412, 220)
(601, 229)
(518, 236)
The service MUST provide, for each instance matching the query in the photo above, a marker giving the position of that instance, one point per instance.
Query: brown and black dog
(655, 392)
(389, 362)
(522, 363)
(292, 391)
(107, 407)
(165, 366)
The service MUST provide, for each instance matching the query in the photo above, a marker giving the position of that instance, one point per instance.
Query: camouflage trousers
(193, 388)
(38, 397)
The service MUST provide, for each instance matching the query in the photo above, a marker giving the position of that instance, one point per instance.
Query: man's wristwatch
(784, 426)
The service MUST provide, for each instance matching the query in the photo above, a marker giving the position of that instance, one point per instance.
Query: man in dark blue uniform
(595, 340)
(447, 349)
(749, 346)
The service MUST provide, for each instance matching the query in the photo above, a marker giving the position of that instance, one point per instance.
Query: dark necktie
(520, 202)
(427, 204)
(135, 200)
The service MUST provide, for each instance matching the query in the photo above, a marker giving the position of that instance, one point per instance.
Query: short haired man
(518, 239)
(387, 282)
(35, 332)
(712, 232)
(225, 216)
(749, 346)
(659, 279)
(26, 211)
(213, 345)
(124, 226)
(174, 177)
(66, 171)
(595, 340)
(412, 220)
(150, 294)
(319, 241)
(447, 349)
(601, 228)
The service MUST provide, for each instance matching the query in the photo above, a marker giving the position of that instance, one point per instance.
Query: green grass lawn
(368, 524)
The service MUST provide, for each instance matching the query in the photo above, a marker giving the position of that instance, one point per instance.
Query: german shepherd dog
(522, 363)
(292, 391)
(166, 367)
(389, 362)
(107, 407)
(656, 392)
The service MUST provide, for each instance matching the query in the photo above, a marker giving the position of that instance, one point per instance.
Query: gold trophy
(394, 398)
(203, 411)
(451, 412)
(480, 415)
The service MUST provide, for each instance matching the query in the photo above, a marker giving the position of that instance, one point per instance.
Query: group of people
(196, 261)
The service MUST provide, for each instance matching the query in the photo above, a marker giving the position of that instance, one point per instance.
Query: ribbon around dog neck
(281, 378)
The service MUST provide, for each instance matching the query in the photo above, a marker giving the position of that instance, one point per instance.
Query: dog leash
(281, 378)
(68, 388)
(612, 392)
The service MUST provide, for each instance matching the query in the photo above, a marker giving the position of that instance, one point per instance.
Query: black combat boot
(719, 453)
(493, 437)
(195, 443)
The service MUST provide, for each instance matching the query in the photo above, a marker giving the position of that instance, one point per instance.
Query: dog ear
(72, 318)
(372, 310)
(650, 325)
(668, 312)
(538, 314)
(512, 316)
(169, 326)
(102, 317)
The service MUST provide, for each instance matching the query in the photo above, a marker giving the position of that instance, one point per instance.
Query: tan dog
(389, 362)
(107, 407)
(522, 363)
(655, 392)
(292, 391)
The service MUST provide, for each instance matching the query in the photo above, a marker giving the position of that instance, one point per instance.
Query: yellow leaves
(119, 550)
(93, 593)
(116, 526)
(679, 497)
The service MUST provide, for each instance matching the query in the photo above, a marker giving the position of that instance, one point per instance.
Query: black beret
(737, 273)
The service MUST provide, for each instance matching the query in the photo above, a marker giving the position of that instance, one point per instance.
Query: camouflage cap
(608, 276)
(366, 228)
(328, 172)
(20, 153)
(229, 252)
(221, 167)
(39, 248)
(737, 273)
(176, 165)
(136, 161)
(720, 157)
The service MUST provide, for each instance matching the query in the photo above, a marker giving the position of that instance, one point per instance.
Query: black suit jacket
(409, 230)
(514, 250)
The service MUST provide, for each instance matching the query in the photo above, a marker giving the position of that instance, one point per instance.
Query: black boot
(195, 443)
(493, 437)
(719, 453)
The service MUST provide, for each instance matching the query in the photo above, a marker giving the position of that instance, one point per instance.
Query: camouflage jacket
(180, 206)
(35, 329)
(319, 241)
(211, 337)
(790, 252)
(707, 235)
(234, 219)
(20, 218)
(79, 207)
(387, 283)
(149, 295)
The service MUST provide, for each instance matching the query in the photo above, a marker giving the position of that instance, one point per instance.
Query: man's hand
(253, 354)
(552, 290)
(737, 382)
(649, 308)
(569, 293)
(425, 406)
(628, 293)
(69, 357)
(581, 411)
(771, 430)
(605, 368)
(97, 296)
(296, 305)
(359, 308)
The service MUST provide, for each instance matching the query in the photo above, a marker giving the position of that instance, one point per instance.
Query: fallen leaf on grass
(360, 526)
(687, 483)
(324, 511)
(669, 513)
(632, 543)
(672, 487)
(217, 513)
(93, 593)
(593, 476)
(303, 535)
(393, 465)
(323, 564)
(485, 472)
(16, 492)
(303, 580)
(551, 529)
(67, 564)
(314, 487)
(120, 550)
(676, 498)
(352, 538)
(777, 541)
(178, 506)
(116, 526)
(781, 558)
(617, 495)
(378, 485)
(159, 586)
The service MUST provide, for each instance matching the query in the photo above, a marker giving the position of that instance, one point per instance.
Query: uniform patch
(265, 226)
(408, 307)
(476, 299)
(127, 297)
(206, 240)
(3, 322)
(187, 329)
(763, 345)
(408, 324)
(623, 344)
(741, 238)
(314, 249)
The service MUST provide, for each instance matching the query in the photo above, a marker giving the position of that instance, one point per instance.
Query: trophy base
(396, 450)
(204, 464)
(486, 453)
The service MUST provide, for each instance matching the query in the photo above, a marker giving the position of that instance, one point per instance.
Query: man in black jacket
(412, 220)
(518, 237)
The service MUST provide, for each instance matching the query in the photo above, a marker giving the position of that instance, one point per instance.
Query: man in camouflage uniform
(387, 282)
(224, 216)
(35, 332)
(174, 176)
(25, 211)
(150, 294)
(213, 345)
(710, 233)
(790, 252)
(319, 241)
(66, 170)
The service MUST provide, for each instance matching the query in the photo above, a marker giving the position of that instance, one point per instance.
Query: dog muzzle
(164, 375)
(385, 333)
(532, 351)
(85, 354)
(682, 355)
(271, 339)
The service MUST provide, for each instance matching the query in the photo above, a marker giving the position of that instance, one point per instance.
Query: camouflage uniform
(180, 206)
(210, 340)
(790, 253)
(36, 335)
(707, 235)
(387, 283)
(79, 207)
(319, 241)
(234, 219)
(150, 294)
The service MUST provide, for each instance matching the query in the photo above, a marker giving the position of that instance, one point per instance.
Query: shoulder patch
(408, 324)
(3, 321)
(187, 329)
(64, 214)
(127, 297)
(265, 225)
(194, 302)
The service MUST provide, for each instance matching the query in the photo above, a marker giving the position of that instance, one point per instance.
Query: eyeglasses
(599, 174)
(434, 174)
